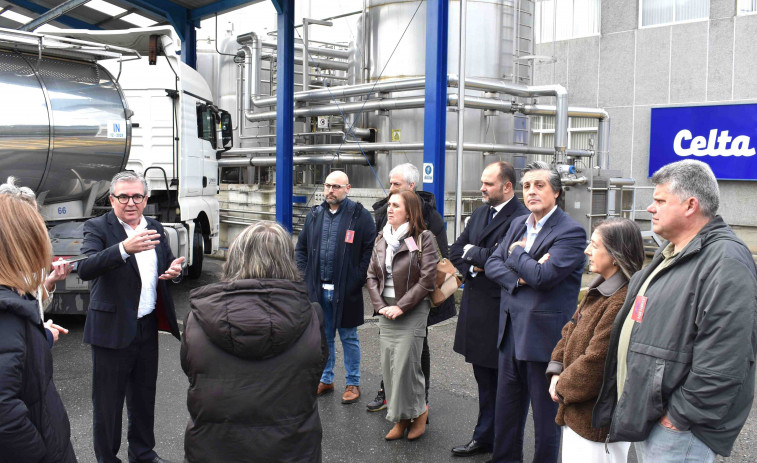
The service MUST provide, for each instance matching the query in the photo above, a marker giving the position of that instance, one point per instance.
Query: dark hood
(12, 302)
(252, 319)
(428, 205)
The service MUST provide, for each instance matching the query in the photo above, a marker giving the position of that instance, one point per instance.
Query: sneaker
(379, 403)
(351, 394)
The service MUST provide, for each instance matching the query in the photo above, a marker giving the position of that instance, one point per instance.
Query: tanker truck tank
(64, 130)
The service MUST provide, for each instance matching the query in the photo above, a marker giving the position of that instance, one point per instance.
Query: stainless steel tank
(63, 125)
(489, 54)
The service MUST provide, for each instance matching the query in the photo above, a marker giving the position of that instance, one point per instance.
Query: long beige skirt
(401, 342)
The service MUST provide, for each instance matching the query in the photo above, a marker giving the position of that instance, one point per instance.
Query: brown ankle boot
(398, 431)
(418, 426)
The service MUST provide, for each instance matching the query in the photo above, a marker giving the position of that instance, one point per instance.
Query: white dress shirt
(533, 229)
(147, 262)
(467, 247)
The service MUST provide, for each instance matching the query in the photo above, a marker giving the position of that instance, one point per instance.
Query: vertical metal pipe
(285, 113)
(435, 114)
(460, 119)
(305, 56)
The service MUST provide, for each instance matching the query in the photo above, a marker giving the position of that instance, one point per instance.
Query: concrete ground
(350, 433)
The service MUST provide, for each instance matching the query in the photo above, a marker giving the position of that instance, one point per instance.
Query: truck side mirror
(226, 130)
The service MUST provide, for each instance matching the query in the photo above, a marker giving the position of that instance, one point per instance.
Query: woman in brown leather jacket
(615, 253)
(401, 274)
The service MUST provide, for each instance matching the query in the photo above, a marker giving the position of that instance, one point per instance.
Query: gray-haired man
(679, 375)
(129, 263)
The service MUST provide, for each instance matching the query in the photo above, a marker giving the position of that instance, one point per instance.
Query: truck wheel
(198, 250)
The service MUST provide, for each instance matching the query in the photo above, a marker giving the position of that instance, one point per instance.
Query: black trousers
(487, 394)
(519, 384)
(129, 373)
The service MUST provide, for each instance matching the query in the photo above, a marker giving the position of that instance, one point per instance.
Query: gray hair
(691, 178)
(262, 250)
(622, 239)
(554, 176)
(128, 176)
(408, 171)
(25, 193)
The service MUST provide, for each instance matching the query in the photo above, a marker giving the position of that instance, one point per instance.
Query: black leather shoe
(159, 460)
(471, 448)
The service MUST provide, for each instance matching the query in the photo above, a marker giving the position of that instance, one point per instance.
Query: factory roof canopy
(115, 14)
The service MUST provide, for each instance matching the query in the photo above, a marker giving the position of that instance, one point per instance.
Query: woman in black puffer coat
(34, 426)
(254, 350)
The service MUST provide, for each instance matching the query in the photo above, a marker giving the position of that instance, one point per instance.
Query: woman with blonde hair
(254, 353)
(401, 273)
(35, 423)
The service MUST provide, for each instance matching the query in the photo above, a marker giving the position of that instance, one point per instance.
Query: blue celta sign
(723, 136)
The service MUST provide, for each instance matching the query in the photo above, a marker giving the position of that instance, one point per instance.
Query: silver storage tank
(63, 126)
(489, 54)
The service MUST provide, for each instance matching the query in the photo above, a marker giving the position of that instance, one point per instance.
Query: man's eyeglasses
(335, 187)
(124, 199)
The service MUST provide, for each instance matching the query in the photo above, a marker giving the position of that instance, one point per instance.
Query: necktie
(492, 211)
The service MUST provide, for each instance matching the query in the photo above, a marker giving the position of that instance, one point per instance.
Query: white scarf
(393, 241)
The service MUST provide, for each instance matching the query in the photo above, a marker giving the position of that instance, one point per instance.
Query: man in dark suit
(476, 334)
(129, 264)
(538, 265)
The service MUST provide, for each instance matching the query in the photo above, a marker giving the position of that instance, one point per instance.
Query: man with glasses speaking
(129, 264)
(333, 252)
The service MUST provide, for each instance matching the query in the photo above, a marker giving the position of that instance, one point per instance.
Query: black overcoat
(478, 321)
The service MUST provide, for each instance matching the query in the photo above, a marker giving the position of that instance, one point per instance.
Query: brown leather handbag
(447, 281)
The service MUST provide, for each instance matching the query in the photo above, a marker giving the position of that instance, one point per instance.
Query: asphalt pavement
(350, 433)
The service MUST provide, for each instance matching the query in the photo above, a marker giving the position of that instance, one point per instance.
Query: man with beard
(333, 252)
(405, 177)
(478, 322)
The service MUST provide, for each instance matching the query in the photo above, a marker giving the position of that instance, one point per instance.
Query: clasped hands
(391, 312)
(146, 240)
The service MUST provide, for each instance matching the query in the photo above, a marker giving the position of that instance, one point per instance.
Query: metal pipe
(394, 146)
(306, 56)
(386, 104)
(320, 62)
(460, 118)
(270, 161)
(351, 90)
(603, 134)
(51, 14)
(330, 52)
(558, 91)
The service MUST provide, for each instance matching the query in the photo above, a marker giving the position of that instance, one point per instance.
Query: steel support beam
(220, 6)
(63, 19)
(189, 45)
(435, 114)
(285, 112)
(51, 14)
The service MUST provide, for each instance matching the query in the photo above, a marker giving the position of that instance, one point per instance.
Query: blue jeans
(665, 445)
(350, 345)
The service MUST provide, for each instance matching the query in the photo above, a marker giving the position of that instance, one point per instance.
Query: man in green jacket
(680, 372)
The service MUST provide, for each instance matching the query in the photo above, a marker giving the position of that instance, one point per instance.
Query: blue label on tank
(723, 136)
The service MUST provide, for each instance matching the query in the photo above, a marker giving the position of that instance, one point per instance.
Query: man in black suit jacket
(477, 323)
(538, 266)
(129, 264)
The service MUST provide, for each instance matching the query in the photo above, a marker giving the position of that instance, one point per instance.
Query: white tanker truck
(80, 106)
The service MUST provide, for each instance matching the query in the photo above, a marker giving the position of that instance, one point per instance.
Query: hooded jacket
(692, 355)
(253, 351)
(34, 426)
(435, 224)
